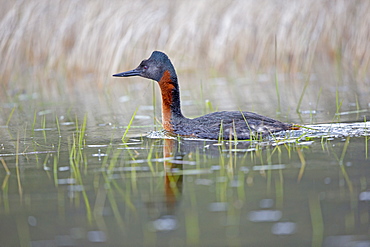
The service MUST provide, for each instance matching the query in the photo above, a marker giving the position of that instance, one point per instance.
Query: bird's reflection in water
(164, 211)
(163, 207)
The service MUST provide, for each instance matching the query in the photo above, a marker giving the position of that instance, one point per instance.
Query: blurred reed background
(43, 42)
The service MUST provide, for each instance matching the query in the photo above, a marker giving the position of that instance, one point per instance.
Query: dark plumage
(235, 124)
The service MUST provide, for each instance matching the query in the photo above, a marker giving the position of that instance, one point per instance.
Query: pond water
(69, 180)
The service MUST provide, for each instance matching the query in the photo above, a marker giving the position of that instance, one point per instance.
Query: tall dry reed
(43, 39)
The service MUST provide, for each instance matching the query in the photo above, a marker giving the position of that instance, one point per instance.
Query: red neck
(170, 100)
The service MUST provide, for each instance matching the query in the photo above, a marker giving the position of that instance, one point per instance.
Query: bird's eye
(145, 67)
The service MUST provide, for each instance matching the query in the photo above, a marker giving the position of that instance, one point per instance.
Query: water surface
(70, 184)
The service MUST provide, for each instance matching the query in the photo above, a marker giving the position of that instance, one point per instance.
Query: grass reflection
(153, 190)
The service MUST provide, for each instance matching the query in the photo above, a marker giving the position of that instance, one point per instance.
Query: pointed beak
(134, 72)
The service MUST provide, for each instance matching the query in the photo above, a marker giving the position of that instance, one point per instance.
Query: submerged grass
(120, 191)
(77, 160)
(303, 164)
(10, 116)
(5, 166)
(338, 104)
(317, 221)
(20, 188)
(129, 125)
(302, 94)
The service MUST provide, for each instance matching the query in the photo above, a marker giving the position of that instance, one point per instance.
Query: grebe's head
(152, 68)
